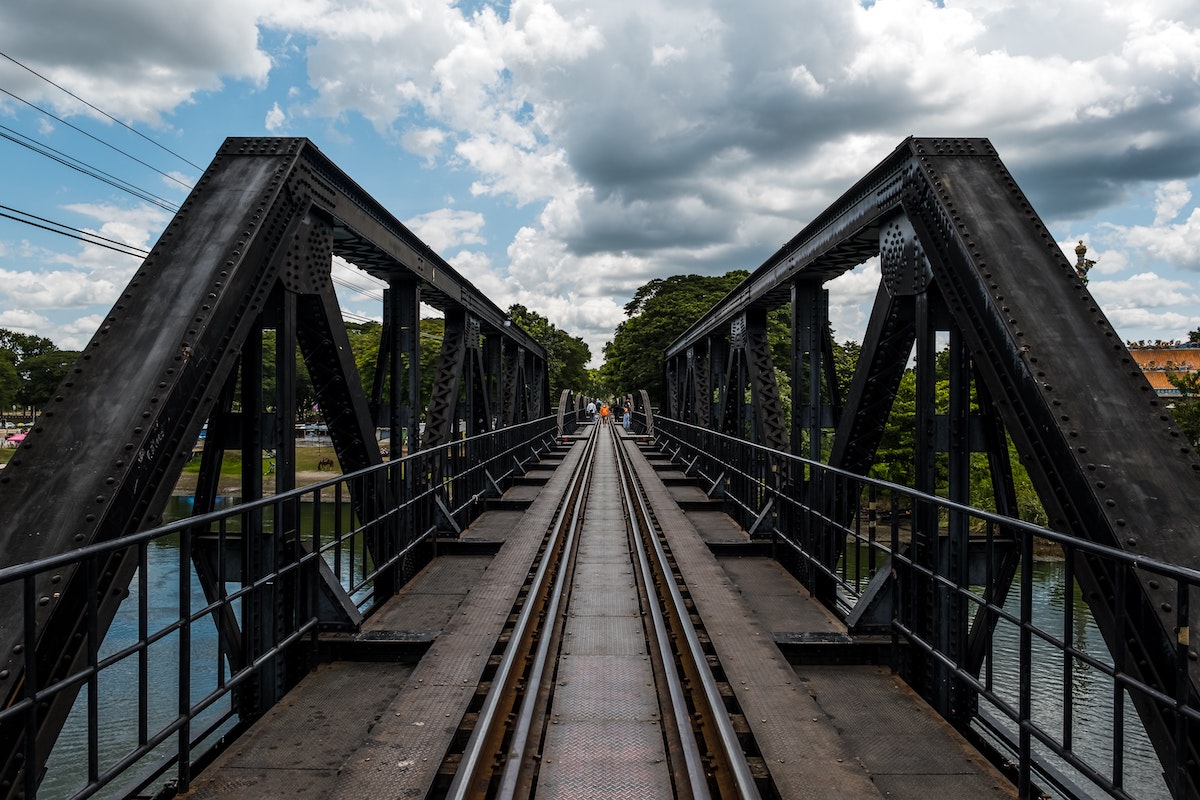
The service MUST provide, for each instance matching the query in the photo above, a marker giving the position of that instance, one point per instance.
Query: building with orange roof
(1162, 360)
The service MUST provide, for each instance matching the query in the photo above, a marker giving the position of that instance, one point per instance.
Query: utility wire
(100, 111)
(74, 233)
(350, 316)
(97, 139)
(79, 166)
(118, 183)
(373, 294)
(359, 289)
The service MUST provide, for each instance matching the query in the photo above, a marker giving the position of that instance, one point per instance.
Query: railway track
(603, 683)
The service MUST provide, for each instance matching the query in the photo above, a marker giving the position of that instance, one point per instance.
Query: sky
(561, 153)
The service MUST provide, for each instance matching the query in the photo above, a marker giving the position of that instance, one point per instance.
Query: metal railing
(224, 611)
(1042, 688)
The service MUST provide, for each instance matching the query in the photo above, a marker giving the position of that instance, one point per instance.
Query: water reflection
(120, 685)
(1090, 695)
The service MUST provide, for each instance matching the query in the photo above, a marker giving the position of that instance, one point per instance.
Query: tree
(25, 345)
(566, 356)
(10, 381)
(659, 312)
(1186, 409)
(306, 394)
(365, 338)
(31, 368)
(41, 375)
(895, 457)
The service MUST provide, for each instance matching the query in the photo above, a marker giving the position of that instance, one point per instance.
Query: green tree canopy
(41, 374)
(567, 356)
(31, 367)
(658, 313)
(10, 381)
(25, 345)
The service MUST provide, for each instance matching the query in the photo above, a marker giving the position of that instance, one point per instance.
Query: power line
(96, 139)
(80, 166)
(74, 233)
(360, 290)
(376, 294)
(100, 111)
(350, 316)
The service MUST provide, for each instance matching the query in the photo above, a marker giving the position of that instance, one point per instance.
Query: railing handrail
(16, 572)
(1177, 571)
(377, 522)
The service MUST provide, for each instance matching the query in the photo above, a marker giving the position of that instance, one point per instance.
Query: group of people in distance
(604, 411)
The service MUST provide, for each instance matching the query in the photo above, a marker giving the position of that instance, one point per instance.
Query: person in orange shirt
(604, 413)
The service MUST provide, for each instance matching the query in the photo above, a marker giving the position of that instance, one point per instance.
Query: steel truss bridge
(964, 258)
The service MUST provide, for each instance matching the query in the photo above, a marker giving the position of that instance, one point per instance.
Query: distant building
(1161, 360)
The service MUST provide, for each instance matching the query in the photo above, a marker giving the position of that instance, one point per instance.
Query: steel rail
(727, 748)
(530, 700)
(490, 724)
(639, 522)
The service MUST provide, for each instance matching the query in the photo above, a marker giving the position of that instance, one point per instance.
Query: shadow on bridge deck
(377, 719)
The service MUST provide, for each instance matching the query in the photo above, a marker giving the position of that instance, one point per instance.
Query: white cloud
(1147, 306)
(136, 59)
(31, 289)
(1144, 290)
(850, 298)
(424, 142)
(1169, 198)
(447, 228)
(665, 54)
(644, 138)
(1177, 244)
(75, 334)
(275, 119)
(23, 320)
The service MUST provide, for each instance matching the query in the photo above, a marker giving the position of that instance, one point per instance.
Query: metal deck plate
(604, 688)
(300, 744)
(605, 759)
(604, 636)
(603, 601)
(600, 575)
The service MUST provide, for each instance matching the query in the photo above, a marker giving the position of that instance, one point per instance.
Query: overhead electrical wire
(97, 139)
(112, 244)
(88, 237)
(74, 233)
(96, 173)
(79, 166)
(363, 290)
(99, 110)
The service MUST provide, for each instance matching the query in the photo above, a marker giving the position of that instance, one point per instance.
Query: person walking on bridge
(591, 410)
(604, 413)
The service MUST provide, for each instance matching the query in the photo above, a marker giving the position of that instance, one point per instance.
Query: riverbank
(230, 485)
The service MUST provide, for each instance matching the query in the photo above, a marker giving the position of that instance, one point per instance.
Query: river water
(1091, 692)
